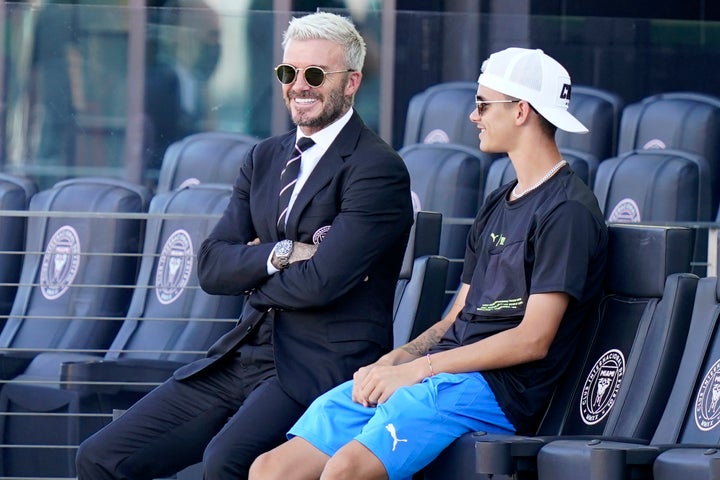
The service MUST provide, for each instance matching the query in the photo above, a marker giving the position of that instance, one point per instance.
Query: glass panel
(208, 66)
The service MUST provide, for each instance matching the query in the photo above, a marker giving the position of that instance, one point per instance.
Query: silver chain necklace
(544, 179)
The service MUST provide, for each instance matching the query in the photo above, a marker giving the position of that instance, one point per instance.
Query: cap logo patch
(601, 387)
(437, 136)
(626, 211)
(60, 263)
(707, 403)
(566, 91)
(174, 267)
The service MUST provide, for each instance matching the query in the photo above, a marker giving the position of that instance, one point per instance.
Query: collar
(327, 135)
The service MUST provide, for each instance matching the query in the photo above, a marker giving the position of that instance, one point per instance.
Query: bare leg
(294, 459)
(354, 462)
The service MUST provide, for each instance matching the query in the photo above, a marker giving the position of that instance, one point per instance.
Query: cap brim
(562, 119)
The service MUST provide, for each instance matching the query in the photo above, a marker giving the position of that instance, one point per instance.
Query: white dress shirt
(309, 160)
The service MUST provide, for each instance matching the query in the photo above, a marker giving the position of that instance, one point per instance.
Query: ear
(523, 112)
(353, 83)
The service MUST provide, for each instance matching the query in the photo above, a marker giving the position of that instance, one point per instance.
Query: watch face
(283, 248)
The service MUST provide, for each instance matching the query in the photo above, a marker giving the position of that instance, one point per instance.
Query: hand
(254, 242)
(375, 383)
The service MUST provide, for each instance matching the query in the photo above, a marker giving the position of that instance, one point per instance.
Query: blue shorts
(409, 430)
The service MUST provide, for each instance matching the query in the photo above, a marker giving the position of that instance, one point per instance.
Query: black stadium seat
(15, 194)
(420, 291)
(170, 322)
(76, 271)
(657, 186)
(654, 186)
(206, 157)
(599, 110)
(619, 384)
(684, 121)
(440, 114)
(448, 178)
(685, 444)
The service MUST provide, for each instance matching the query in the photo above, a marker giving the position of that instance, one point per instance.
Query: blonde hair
(329, 26)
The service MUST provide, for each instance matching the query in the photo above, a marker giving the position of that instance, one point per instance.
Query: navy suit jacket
(333, 313)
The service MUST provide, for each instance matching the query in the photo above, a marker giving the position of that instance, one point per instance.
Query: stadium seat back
(170, 322)
(440, 114)
(170, 314)
(15, 194)
(76, 273)
(686, 436)
(206, 157)
(599, 110)
(448, 179)
(420, 291)
(685, 121)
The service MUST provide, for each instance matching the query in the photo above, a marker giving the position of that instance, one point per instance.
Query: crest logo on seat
(437, 136)
(60, 263)
(174, 267)
(188, 182)
(654, 144)
(601, 387)
(707, 403)
(626, 211)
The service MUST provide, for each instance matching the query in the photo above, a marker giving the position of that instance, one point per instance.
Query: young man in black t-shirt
(533, 273)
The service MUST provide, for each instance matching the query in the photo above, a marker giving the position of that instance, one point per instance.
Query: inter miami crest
(707, 403)
(174, 267)
(60, 263)
(626, 211)
(601, 387)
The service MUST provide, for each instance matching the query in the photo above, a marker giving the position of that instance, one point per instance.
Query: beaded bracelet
(432, 372)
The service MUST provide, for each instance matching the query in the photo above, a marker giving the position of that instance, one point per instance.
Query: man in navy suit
(319, 278)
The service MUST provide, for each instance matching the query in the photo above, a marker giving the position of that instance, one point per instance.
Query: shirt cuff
(270, 267)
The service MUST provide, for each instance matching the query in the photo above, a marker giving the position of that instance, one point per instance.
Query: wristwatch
(281, 253)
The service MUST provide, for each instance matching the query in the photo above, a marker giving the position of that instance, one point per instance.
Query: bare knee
(340, 467)
(354, 462)
(265, 467)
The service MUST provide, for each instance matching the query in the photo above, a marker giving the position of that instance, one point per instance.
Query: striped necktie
(288, 178)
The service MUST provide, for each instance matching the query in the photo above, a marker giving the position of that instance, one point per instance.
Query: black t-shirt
(554, 239)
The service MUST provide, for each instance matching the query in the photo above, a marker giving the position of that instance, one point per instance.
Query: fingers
(254, 242)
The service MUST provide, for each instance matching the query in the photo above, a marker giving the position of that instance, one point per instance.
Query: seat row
(107, 305)
(124, 319)
(640, 399)
(682, 121)
(649, 186)
(655, 160)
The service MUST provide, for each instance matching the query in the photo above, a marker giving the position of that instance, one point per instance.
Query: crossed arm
(301, 251)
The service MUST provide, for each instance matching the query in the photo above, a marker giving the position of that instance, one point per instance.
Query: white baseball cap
(533, 76)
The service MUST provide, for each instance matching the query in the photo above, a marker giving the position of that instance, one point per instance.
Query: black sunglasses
(314, 76)
(483, 104)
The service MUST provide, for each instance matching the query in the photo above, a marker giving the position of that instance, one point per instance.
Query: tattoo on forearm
(422, 344)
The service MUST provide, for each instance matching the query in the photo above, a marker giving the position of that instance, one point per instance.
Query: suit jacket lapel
(325, 170)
